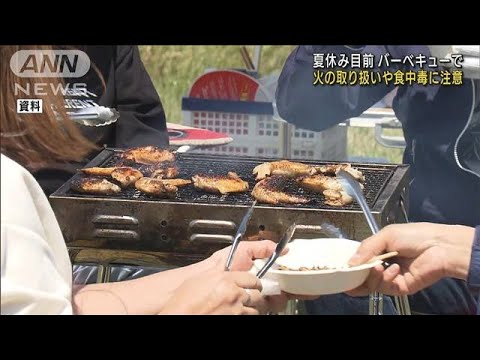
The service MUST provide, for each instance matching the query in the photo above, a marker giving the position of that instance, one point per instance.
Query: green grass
(361, 142)
(173, 70)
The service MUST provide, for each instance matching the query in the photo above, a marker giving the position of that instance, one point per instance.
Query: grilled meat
(95, 185)
(270, 191)
(319, 183)
(147, 155)
(168, 172)
(155, 187)
(220, 184)
(176, 182)
(161, 170)
(282, 167)
(98, 171)
(126, 176)
(335, 168)
(337, 198)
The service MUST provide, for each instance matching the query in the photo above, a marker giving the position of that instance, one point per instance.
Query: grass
(173, 70)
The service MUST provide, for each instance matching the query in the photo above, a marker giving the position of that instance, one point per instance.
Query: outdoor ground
(174, 68)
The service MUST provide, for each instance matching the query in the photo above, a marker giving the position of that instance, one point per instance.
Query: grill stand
(134, 229)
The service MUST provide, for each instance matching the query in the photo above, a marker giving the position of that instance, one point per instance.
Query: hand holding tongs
(351, 186)
(278, 250)
(238, 236)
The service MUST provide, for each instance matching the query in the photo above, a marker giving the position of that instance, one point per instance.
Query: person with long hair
(36, 272)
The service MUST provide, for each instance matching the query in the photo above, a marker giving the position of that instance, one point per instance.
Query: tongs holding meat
(334, 169)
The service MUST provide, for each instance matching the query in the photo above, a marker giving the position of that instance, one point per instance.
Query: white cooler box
(258, 132)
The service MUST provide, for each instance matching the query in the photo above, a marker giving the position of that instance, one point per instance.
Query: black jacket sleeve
(142, 118)
(320, 107)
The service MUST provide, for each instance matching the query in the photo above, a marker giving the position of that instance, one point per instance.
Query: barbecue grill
(134, 228)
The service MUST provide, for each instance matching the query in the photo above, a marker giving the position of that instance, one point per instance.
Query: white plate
(320, 252)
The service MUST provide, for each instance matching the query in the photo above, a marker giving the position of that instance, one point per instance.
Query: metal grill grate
(190, 164)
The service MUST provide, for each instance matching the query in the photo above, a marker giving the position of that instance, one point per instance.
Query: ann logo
(53, 63)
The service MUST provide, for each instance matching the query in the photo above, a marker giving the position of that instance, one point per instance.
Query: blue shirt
(432, 118)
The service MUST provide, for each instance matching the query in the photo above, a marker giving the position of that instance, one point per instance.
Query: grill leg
(402, 304)
(376, 304)
(291, 308)
(103, 275)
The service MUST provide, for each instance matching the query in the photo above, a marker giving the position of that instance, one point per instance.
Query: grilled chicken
(282, 167)
(168, 172)
(270, 191)
(126, 176)
(176, 182)
(98, 171)
(95, 185)
(335, 168)
(161, 170)
(319, 183)
(220, 184)
(155, 187)
(147, 155)
(337, 198)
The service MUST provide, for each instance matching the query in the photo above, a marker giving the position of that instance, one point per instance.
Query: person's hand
(246, 253)
(222, 293)
(427, 253)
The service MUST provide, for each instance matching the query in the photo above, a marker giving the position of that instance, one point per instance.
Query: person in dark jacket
(441, 129)
(116, 79)
(426, 252)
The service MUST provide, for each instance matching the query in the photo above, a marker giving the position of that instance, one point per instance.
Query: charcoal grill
(133, 228)
(196, 222)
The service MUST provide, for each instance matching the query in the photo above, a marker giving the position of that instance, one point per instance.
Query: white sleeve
(36, 271)
(31, 283)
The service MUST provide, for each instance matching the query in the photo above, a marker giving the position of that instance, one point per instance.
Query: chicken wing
(335, 168)
(148, 155)
(95, 185)
(337, 198)
(155, 187)
(231, 183)
(282, 167)
(270, 191)
(126, 176)
(98, 171)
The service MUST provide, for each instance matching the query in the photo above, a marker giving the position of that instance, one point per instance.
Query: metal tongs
(278, 250)
(239, 235)
(95, 116)
(352, 187)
